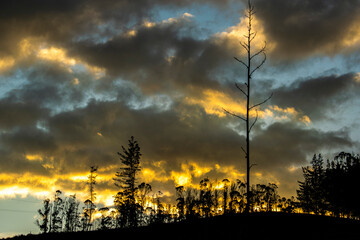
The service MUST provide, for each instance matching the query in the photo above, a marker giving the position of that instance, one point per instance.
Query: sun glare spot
(79, 178)
(34, 157)
(181, 179)
(149, 24)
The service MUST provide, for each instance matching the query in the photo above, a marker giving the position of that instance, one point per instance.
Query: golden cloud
(32, 47)
(214, 102)
(235, 34)
(6, 63)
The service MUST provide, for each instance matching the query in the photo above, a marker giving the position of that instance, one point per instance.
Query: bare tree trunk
(247, 46)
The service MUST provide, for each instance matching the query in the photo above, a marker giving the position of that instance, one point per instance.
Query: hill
(251, 226)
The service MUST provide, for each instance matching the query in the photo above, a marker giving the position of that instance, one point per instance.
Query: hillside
(255, 226)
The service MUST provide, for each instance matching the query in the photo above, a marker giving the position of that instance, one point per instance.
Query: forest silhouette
(326, 205)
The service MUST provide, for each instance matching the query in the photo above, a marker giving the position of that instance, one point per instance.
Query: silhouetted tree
(44, 216)
(311, 193)
(234, 198)
(142, 198)
(90, 206)
(247, 45)
(126, 180)
(191, 203)
(270, 196)
(105, 219)
(56, 212)
(225, 194)
(71, 214)
(143, 190)
(216, 202)
(206, 199)
(287, 205)
(180, 202)
(160, 213)
(331, 189)
(341, 175)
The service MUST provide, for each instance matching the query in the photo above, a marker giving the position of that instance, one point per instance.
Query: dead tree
(247, 46)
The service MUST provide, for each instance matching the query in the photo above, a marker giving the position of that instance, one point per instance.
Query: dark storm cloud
(15, 162)
(186, 134)
(158, 57)
(163, 135)
(29, 140)
(183, 134)
(287, 144)
(47, 87)
(300, 28)
(62, 22)
(92, 135)
(19, 114)
(317, 96)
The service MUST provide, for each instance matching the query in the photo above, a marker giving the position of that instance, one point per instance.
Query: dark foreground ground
(252, 226)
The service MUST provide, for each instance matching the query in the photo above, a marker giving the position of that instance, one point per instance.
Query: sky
(78, 78)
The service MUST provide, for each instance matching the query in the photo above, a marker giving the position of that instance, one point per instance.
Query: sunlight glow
(57, 55)
(28, 47)
(231, 36)
(6, 63)
(181, 179)
(213, 102)
(12, 192)
(34, 157)
(148, 24)
(353, 36)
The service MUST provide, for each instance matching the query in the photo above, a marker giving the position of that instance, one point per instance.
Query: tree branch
(241, 62)
(257, 115)
(245, 46)
(262, 102)
(237, 86)
(259, 66)
(233, 114)
(244, 150)
(252, 38)
(252, 165)
(262, 50)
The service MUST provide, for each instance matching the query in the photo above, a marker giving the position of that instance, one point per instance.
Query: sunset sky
(78, 78)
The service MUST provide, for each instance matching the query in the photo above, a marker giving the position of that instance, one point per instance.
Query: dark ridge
(240, 226)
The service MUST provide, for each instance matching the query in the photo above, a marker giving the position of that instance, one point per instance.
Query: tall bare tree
(251, 69)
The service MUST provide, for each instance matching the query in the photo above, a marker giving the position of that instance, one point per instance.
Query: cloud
(157, 57)
(68, 21)
(315, 97)
(90, 74)
(301, 29)
(181, 144)
(20, 114)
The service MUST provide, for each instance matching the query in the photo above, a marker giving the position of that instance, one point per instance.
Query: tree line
(332, 188)
(324, 190)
